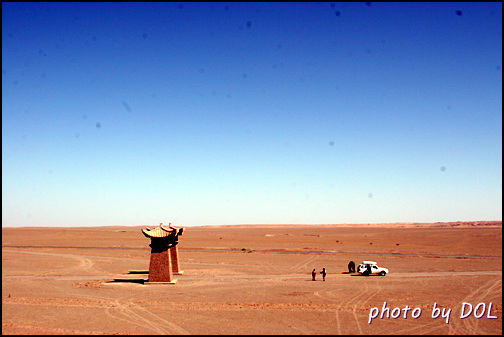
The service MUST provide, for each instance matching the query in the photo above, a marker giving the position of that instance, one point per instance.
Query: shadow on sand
(128, 280)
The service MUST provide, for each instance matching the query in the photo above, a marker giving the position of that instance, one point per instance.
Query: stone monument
(164, 261)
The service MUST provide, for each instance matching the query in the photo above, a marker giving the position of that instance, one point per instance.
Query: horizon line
(494, 222)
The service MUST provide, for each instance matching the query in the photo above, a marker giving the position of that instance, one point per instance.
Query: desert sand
(256, 280)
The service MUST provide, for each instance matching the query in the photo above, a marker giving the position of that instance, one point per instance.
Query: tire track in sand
(85, 264)
(303, 264)
(330, 296)
(132, 313)
(123, 310)
(361, 298)
(476, 296)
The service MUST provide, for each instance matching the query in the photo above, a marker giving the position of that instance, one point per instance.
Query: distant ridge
(459, 224)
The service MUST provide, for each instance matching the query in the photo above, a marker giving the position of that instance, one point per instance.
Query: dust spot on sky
(331, 143)
(98, 125)
(249, 24)
(370, 195)
(144, 35)
(459, 13)
(126, 106)
(337, 13)
(443, 169)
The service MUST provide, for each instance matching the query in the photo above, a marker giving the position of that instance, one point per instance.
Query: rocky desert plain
(444, 278)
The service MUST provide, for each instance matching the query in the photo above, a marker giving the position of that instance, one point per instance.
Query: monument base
(160, 267)
(178, 272)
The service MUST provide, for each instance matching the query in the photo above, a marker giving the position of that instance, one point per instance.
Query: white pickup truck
(370, 267)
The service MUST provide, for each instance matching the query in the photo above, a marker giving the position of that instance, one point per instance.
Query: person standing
(313, 274)
(351, 267)
(323, 272)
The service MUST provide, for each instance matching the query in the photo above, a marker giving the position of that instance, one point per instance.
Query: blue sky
(250, 113)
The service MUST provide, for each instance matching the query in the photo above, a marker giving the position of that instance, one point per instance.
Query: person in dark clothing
(323, 272)
(351, 267)
(368, 269)
(313, 274)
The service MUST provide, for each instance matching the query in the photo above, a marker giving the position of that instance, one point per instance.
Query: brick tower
(164, 260)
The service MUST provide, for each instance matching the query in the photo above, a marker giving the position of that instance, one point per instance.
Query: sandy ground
(255, 280)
